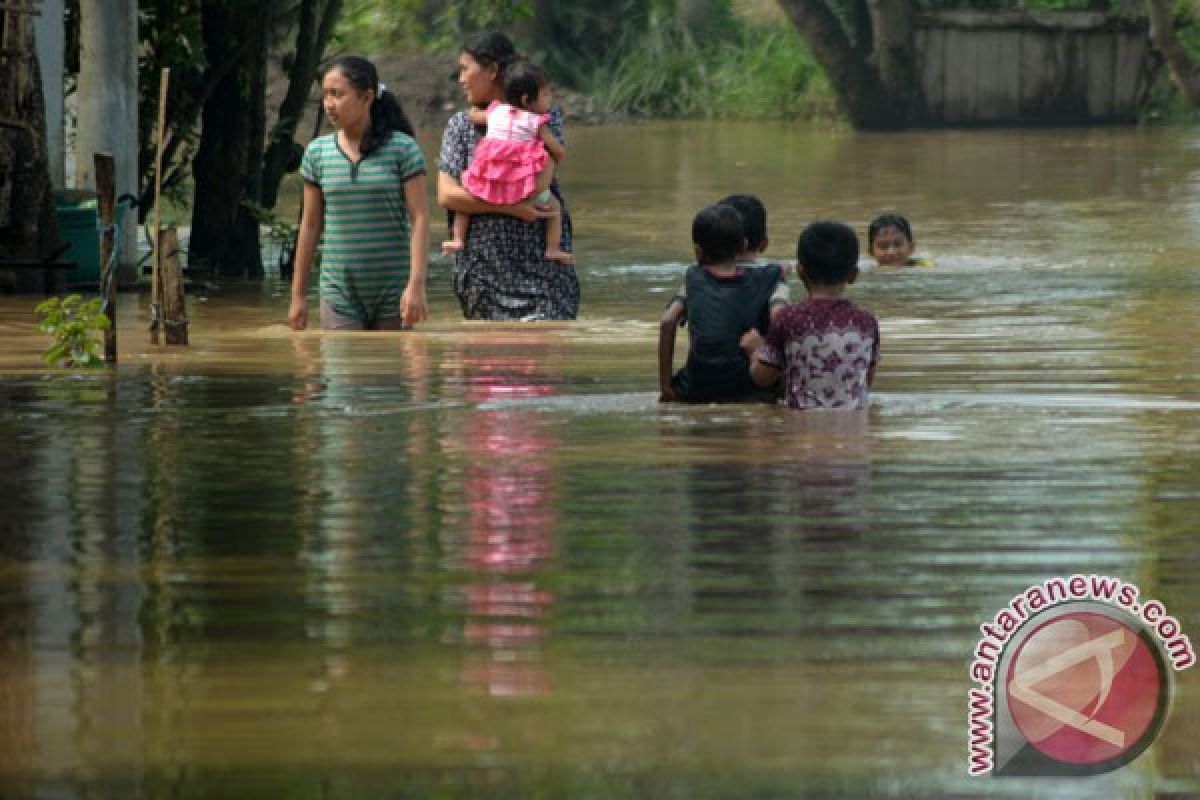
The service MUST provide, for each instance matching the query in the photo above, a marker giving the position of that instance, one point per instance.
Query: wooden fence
(1023, 68)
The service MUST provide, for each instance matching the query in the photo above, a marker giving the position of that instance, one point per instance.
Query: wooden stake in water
(175, 323)
(156, 277)
(106, 201)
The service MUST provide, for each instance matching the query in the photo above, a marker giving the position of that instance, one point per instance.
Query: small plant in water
(72, 322)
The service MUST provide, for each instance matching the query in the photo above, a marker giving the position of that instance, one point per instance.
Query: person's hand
(750, 343)
(413, 308)
(529, 212)
(298, 314)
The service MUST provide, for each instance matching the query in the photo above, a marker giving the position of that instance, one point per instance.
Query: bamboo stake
(106, 200)
(156, 277)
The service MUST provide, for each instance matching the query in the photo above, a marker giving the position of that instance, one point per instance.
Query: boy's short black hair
(718, 232)
(828, 251)
(754, 218)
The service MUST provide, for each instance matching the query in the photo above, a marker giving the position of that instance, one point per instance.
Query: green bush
(72, 322)
(756, 72)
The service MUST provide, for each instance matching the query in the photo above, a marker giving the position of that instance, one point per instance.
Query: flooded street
(481, 560)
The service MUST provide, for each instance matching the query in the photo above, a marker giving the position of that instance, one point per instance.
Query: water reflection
(481, 560)
(508, 495)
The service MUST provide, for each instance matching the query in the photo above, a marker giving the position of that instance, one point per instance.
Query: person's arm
(306, 249)
(780, 297)
(874, 359)
(413, 308)
(556, 149)
(666, 348)
(478, 116)
(453, 197)
(762, 373)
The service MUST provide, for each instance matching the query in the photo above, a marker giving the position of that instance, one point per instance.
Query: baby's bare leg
(545, 177)
(459, 228)
(554, 251)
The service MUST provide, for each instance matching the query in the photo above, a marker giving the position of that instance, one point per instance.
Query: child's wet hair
(522, 81)
(828, 252)
(718, 232)
(754, 218)
(888, 221)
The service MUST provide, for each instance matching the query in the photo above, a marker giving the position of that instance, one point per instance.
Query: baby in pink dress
(515, 160)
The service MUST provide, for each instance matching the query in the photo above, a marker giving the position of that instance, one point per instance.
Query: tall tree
(235, 172)
(227, 167)
(28, 227)
(107, 118)
(869, 54)
(317, 20)
(1184, 69)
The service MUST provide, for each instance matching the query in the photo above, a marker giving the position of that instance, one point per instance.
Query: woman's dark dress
(501, 272)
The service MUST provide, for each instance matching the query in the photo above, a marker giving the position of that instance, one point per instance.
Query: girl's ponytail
(386, 116)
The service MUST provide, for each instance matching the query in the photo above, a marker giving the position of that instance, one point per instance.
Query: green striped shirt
(365, 239)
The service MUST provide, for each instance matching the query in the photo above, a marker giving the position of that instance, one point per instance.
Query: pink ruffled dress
(508, 159)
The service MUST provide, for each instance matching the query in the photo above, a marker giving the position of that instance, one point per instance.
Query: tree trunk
(1184, 70)
(28, 224)
(895, 55)
(108, 104)
(228, 158)
(879, 91)
(853, 78)
(283, 156)
(537, 29)
(50, 43)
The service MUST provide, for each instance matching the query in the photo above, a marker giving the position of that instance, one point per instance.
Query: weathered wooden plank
(1130, 75)
(1099, 59)
(175, 322)
(997, 79)
(1031, 20)
(959, 102)
(931, 49)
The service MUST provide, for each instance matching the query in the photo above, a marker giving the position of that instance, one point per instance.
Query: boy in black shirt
(723, 298)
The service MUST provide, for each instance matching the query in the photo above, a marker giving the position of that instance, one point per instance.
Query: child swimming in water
(890, 242)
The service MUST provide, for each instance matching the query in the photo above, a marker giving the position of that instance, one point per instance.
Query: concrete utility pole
(48, 29)
(108, 105)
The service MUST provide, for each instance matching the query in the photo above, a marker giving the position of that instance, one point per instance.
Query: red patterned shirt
(826, 348)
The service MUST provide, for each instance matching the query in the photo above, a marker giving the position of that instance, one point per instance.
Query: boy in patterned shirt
(826, 348)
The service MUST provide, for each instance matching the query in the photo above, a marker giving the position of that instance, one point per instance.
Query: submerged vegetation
(74, 324)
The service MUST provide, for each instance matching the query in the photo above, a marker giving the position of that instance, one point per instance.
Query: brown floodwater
(480, 560)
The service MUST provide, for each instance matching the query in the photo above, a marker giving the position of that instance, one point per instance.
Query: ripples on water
(481, 560)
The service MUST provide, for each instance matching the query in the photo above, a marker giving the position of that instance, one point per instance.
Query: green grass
(760, 71)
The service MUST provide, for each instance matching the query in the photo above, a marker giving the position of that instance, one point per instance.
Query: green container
(77, 221)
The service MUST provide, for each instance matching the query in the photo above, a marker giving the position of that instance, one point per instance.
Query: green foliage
(659, 72)
(1012, 5)
(768, 73)
(757, 72)
(375, 26)
(72, 322)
